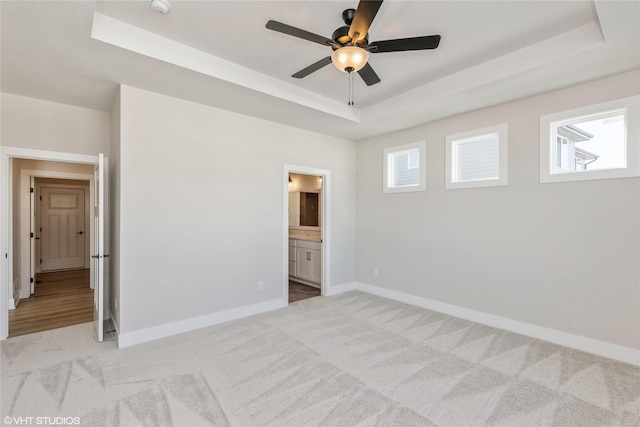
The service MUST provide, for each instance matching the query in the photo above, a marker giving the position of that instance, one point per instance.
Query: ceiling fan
(350, 43)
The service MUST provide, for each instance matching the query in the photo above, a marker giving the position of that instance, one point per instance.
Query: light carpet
(350, 360)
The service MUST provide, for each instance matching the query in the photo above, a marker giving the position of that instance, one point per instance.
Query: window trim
(386, 188)
(629, 107)
(503, 155)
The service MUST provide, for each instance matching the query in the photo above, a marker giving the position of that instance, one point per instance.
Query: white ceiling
(219, 53)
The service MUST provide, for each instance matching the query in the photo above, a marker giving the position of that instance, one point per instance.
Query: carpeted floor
(352, 359)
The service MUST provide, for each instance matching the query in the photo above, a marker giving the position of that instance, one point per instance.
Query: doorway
(307, 225)
(60, 291)
(17, 180)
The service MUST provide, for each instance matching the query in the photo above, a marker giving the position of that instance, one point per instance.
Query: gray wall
(563, 256)
(43, 125)
(202, 208)
(114, 214)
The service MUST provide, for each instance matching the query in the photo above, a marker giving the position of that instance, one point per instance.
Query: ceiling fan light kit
(351, 45)
(350, 58)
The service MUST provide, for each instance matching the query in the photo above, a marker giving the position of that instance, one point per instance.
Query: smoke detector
(161, 6)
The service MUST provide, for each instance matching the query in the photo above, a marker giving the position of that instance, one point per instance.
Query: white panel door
(63, 234)
(33, 234)
(98, 255)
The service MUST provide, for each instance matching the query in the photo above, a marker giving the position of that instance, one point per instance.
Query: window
(477, 158)
(595, 142)
(562, 153)
(404, 168)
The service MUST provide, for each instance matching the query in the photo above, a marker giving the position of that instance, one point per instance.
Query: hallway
(62, 298)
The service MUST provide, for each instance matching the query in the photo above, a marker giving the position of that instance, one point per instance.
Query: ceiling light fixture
(161, 6)
(349, 59)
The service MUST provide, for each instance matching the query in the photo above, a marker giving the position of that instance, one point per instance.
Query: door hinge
(31, 235)
(31, 280)
(40, 198)
(31, 190)
(40, 260)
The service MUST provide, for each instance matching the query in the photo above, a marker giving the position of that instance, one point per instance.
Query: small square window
(594, 142)
(590, 143)
(404, 168)
(477, 158)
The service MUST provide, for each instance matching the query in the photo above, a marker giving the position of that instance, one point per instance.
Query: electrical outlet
(375, 272)
(260, 286)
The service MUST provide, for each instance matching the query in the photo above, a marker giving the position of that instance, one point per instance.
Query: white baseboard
(168, 329)
(589, 345)
(115, 324)
(339, 289)
(12, 304)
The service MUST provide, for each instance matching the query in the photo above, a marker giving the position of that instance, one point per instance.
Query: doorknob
(80, 232)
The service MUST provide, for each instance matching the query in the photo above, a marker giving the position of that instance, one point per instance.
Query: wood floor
(298, 291)
(61, 298)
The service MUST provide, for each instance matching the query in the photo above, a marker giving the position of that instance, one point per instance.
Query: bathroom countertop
(309, 239)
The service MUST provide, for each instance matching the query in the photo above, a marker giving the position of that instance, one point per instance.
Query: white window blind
(404, 168)
(477, 159)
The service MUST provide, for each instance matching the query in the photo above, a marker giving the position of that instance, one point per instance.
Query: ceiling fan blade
(297, 32)
(363, 18)
(368, 75)
(411, 43)
(313, 67)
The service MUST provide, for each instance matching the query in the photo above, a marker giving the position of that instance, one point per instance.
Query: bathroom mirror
(309, 212)
(305, 209)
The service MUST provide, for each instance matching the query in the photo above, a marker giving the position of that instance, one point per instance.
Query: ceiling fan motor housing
(341, 35)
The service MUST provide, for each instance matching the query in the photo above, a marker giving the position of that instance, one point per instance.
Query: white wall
(43, 125)
(563, 256)
(202, 208)
(114, 214)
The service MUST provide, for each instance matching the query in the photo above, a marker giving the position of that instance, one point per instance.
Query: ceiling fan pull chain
(350, 89)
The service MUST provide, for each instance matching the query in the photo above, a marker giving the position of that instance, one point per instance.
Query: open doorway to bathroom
(305, 236)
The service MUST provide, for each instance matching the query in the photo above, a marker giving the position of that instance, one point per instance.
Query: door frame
(7, 220)
(88, 214)
(325, 232)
